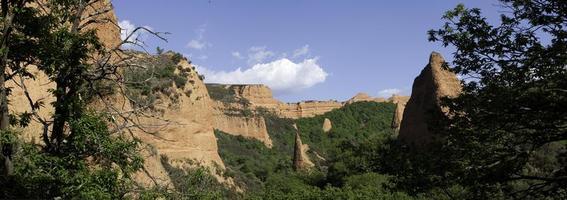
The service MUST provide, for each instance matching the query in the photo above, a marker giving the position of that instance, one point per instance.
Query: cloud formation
(237, 55)
(387, 93)
(199, 43)
(196, 44)
(282, 75)
(259, 54)
(301, 51)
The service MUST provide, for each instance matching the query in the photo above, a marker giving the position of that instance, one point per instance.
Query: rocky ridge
(238, 108)
(364, 97)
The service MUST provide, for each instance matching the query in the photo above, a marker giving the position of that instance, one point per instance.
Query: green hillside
(267, 173)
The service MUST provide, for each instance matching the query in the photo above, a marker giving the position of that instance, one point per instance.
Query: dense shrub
(152, 76)
(92, 164)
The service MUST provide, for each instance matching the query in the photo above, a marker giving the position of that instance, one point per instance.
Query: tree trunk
(8, 16)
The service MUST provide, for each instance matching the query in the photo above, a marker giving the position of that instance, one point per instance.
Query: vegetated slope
(268, 173)
(353, 123)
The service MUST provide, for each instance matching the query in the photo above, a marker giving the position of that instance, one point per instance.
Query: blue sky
(303, 49)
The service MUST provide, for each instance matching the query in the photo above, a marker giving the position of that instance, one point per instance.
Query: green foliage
(93, 164)
(350, 150)
(190, 182)
(79, 157)
(293, 186)
(176, 57)
(353, 123)
(505, 137)
(159, 50)
(225, 94)
(249, 161)
(157, 76)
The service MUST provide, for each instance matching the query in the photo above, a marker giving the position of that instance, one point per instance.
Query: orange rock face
(301, 160)
(364, 97)
(261, 96)
(229, 119)
(434, 82)
(307, 108)
(188, 132)
(327, 125)
(400, 102)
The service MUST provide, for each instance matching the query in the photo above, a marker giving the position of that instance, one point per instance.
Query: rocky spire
(435, 82)
(327, 125)
(400, 102)
(301, 160)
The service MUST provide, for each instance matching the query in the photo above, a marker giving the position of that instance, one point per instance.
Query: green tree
(504, 136)
(19, 27)
(81, 157)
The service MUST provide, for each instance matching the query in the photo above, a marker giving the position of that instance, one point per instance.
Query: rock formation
(307, 108)
(229, 119)
(364, 97)
(327, 125)
(259, 95)
(436, 81)
(190, 134)
(301, 160)
(400, 102)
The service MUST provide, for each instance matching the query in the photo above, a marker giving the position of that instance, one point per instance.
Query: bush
(158, 76)
(93, 164)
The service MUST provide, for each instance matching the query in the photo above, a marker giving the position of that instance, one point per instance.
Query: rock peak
(301, 160)
(327, 125)
(361, 96)
(435, 82)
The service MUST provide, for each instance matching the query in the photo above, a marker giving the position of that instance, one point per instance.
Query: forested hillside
(341, 156)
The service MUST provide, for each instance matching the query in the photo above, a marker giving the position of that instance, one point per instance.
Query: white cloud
(259, 54)
(199, 43)
(126, 32)
(301, 51)
(196, 57)
(236, 55)
(281, 75)
(196, 44)
(203, 57)
(389, 92)
(126, 28)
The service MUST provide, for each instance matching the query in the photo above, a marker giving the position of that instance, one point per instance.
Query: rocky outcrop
(259, 95)
(307, 108)
(364, 97)
(230, 119)
(108, 30)
(400, 102)
(184, 130)
(301, 160)
(327, 125)
(435, 82)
